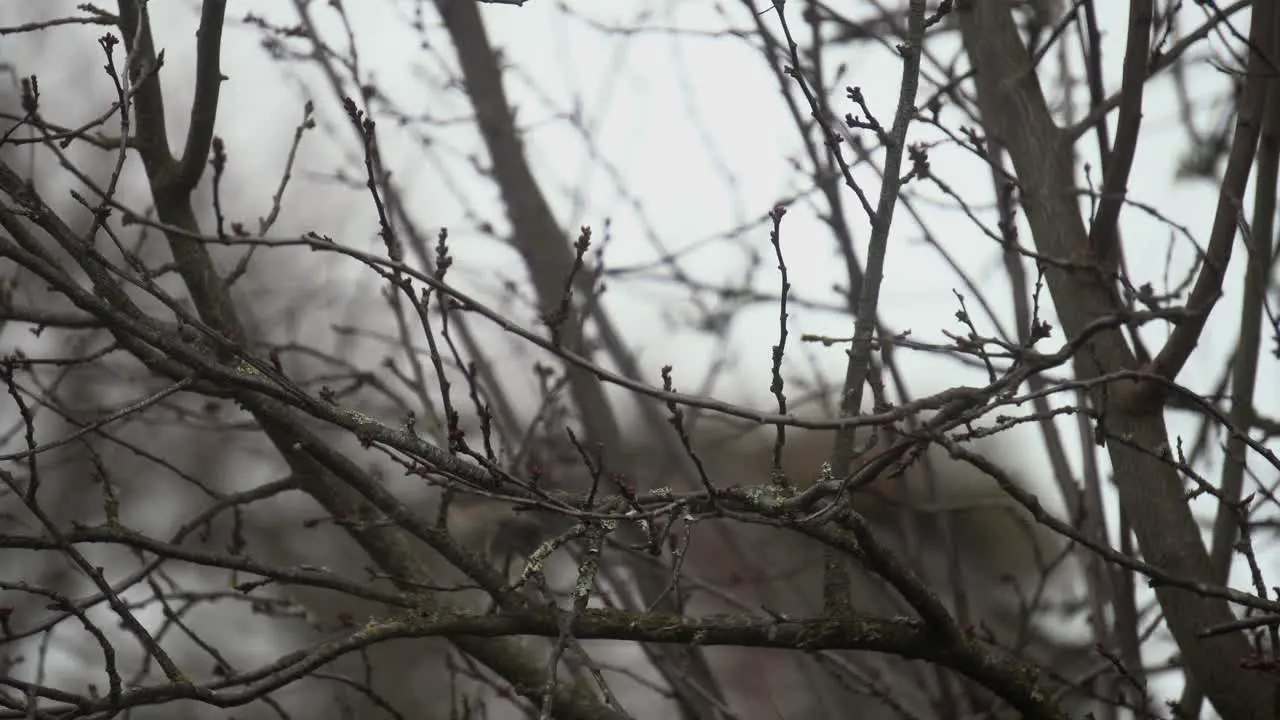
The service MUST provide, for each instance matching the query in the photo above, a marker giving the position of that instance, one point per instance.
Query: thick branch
(1014, 109)
(835, 578)
(535, 233)
(538, 238)
(1104, 235)
(1010, 679)
(172, 192)
(204, 106)
(388, 546)
(1244, 370)
(1213, 268)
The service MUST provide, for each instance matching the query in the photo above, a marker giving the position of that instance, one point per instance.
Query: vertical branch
(538, 238)
(204, 106)
(1258, 71)
(1104, 235)
(152, 138)
(1244, 371)
(171, 185)
(536, 234)
(1014, 109)
(835, 577)
(171, 182)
